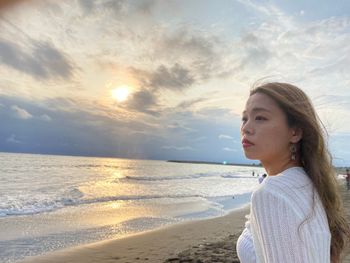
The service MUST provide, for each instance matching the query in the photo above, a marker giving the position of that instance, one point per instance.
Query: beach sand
(210, 240)
(207, 239)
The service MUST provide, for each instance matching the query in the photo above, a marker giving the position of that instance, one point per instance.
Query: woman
(296, 213)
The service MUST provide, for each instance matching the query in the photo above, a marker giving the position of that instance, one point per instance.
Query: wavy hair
(314, 157)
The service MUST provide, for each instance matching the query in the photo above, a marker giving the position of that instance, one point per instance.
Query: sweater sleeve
(275, 225)
(245, 247)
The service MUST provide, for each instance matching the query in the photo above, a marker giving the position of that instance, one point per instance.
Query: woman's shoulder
(286, 185)
(294, 177)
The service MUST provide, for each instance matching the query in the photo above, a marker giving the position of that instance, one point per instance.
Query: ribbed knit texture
(287, 222)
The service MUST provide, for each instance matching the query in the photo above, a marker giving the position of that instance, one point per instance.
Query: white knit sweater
(276, 230)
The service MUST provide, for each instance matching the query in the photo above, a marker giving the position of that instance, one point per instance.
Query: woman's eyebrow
(257, 109)
(260, 109)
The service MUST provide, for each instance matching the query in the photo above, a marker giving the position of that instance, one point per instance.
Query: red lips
(246, 143)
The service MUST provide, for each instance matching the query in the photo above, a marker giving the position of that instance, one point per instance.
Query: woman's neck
(273, 169)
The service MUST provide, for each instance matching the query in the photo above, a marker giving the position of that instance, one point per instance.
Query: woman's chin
(251, 156)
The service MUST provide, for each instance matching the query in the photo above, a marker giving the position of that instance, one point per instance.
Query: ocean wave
(168, 178)
(75, 199)
(238, 176)
(187, 177)
(40, 203)
(84, 166)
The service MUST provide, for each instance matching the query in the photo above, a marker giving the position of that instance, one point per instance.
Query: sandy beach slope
(159, 245)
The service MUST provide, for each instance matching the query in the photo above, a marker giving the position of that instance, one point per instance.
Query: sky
(187, 68)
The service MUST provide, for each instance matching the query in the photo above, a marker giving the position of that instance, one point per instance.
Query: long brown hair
(314, 157)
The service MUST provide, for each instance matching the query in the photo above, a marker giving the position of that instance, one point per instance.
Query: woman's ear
(297, 135)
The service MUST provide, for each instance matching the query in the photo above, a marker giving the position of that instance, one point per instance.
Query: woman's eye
(260, 118)
(244, 119)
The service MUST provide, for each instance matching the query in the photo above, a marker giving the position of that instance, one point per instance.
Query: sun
(121, 93)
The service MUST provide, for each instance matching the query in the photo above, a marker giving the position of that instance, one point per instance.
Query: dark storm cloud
(78, 132)
(175, 78)
(44, 61)
(144, 101)
(54, 130)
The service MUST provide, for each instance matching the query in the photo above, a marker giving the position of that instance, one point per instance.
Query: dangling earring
(293, 151)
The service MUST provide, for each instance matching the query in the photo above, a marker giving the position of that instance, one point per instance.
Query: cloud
(66, 126)
(201, 138)
(146, 6)
(281, 45)
(43, 61)
(91, 6)
(175, 78)
(217, 114)
(73, 132)
(200, 50)
(45, 117)
(223, 136)
(87, 5)
(179, 148)
(255, 54)
(159, 58)
(189, 103)
(269, 12)
(200, 130)
(143, 101)
(12, 139)
(229, 149)
(176, 126)
(21, 113)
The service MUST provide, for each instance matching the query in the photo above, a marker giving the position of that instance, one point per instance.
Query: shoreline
(159, 245)
(206, 240)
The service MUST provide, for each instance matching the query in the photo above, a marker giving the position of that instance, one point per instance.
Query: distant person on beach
(347, 177)
(296, 215)
(261, 178)
(253, 173)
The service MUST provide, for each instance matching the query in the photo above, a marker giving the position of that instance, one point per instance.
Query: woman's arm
(245, 246)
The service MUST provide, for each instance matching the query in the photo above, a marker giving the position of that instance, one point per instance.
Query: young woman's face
(265, 133)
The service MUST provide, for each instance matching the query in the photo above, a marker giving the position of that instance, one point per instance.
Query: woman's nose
(247, 128)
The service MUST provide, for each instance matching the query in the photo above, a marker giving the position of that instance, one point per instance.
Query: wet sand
(194, 241)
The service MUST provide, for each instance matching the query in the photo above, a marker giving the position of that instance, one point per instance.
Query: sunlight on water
(51, 202)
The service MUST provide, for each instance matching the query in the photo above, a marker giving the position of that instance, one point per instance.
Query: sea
(52, 202)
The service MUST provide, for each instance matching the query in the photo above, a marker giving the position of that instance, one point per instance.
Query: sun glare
(121, 93)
